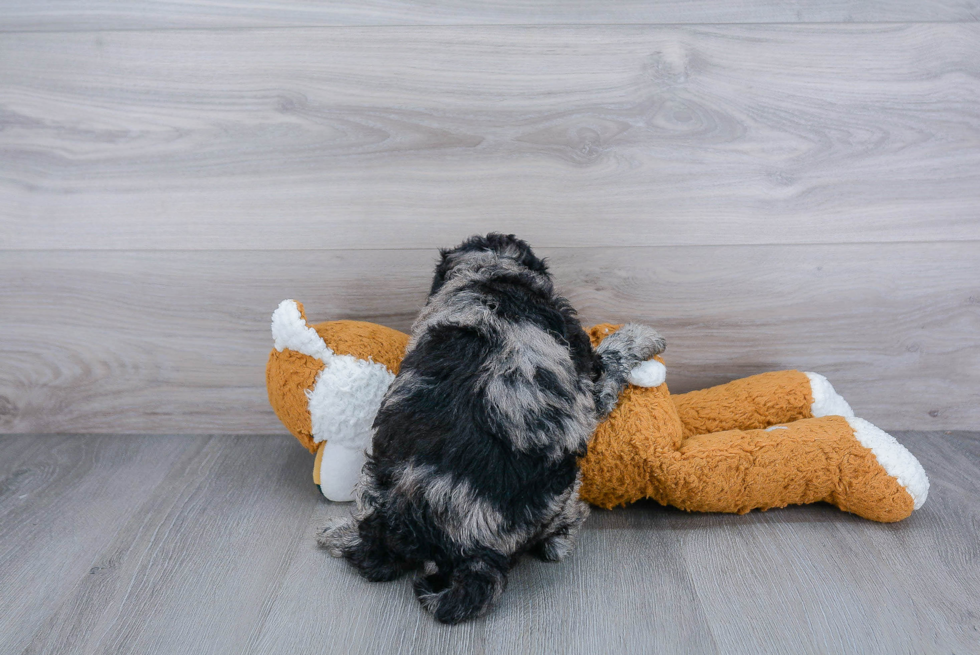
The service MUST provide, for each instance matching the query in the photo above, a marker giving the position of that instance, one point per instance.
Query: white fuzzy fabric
(340, 468)
(650, 373)
(290, 331)
(897, 461)
(345, 400)
(826, 401)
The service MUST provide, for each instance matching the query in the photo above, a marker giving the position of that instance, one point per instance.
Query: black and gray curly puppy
(475, 445)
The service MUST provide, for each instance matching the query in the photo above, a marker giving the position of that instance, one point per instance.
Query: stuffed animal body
(769, 440)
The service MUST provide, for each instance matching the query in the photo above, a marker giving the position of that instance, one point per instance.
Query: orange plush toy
(770, 440)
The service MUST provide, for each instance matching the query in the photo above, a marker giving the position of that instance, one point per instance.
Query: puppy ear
(509, 245)
(529, 259)
(442, 270)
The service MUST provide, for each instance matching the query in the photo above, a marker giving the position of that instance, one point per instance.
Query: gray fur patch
(634, 341)
(468, 519)
(570, 512)
(454, 304)
(430, 600)
(518, 399)
(405, 384)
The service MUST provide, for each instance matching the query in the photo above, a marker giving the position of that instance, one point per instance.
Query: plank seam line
(245, 28)
(822, 244)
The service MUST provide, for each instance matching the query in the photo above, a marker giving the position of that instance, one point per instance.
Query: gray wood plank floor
(204, 544)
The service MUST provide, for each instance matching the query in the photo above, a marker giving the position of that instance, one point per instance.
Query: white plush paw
(340, 469)
(826, 401)
(895, 458)
(650, 373)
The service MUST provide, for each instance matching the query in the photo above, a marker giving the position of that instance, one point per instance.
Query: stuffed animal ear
(289, 330)
(599, 332)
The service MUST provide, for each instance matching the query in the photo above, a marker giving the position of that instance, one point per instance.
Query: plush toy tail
(289, 330)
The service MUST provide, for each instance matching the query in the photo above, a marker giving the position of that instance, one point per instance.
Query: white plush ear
(650, 373)
(290, 330)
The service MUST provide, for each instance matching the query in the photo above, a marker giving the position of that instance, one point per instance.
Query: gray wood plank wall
(773, 185)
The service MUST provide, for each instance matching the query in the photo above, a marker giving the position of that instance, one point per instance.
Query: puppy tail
(618, 354)
(468, 592)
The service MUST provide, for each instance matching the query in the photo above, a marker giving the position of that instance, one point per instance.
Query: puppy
(474, 457)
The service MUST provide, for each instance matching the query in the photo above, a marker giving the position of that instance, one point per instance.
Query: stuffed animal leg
(769, 440)
(846, 462)
(875, 476)
(759, 401)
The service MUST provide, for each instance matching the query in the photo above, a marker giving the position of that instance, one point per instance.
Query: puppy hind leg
(559, 538)
(363, 544)
(469, 591)
(338, 536)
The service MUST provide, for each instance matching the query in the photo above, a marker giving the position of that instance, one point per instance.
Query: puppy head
(482, 251)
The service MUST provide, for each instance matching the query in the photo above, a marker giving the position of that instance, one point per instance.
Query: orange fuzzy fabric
(287, 377)
(747, 404)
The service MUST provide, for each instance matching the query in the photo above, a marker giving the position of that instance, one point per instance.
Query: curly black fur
(476, 442)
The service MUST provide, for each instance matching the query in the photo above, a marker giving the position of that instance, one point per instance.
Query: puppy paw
(650, 373)
(428, 586)
(554, 549)
(632, 343)
(338, 536)
(645, 342)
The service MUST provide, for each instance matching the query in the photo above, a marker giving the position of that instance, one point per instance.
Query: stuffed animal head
(331, 392)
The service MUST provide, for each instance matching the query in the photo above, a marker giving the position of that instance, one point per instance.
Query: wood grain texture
(361, 138)
(159, 342)
(189, 572)
(211, 550)
(62, 503)
(155, 14)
